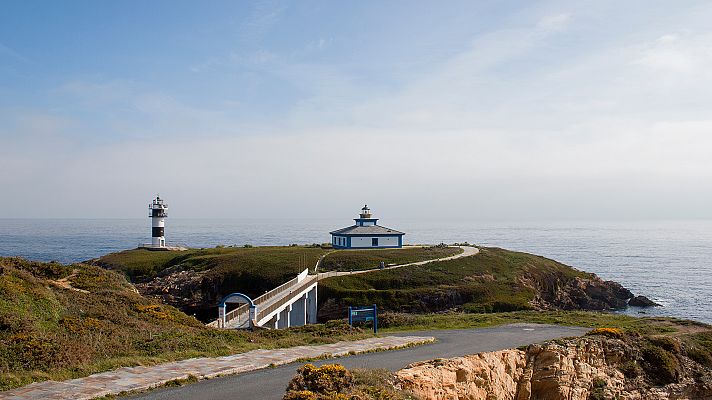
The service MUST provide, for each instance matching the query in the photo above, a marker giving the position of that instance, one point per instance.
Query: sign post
(364, 314)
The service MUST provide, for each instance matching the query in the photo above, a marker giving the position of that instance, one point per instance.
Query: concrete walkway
(466, 252)
(142, 378)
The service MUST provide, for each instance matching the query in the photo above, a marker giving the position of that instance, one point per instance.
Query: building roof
(366, 230)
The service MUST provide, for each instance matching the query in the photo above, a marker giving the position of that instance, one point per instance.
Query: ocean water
(668, 261)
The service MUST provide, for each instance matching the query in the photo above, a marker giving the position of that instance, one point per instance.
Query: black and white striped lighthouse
(158, 215)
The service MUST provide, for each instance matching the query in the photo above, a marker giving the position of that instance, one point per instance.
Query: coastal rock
(556, 293)
(642, 301)
(482, 376)
(572, 369)
(183, 288)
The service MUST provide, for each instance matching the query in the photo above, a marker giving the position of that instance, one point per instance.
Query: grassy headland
(195, 280)
(495, 280)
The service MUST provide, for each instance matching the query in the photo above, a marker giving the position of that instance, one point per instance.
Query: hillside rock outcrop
(574, 369)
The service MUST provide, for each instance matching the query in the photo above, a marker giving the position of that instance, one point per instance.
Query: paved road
(271, 383)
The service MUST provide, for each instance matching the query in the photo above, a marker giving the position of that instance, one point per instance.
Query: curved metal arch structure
(229, 297)
(237, 298)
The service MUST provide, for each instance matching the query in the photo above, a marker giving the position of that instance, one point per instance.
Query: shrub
(598, 390)
(630, 369)
(700, 355)
(660, 365)
(666, 342)
(608, 332)
(327, 379)
(300, 395)
(389, 319)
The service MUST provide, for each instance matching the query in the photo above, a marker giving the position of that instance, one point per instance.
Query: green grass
(270, 262)
(51, 332)
(495, 280)
(399, 322)
(252, 271)
(355, 260)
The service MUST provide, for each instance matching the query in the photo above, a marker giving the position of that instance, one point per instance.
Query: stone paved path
(142, 378)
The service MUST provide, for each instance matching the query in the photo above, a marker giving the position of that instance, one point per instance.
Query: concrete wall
(366, 241)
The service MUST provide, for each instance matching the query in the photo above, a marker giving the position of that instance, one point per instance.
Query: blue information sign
(364, 314)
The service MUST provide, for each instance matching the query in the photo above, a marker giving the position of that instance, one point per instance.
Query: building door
(374, 242)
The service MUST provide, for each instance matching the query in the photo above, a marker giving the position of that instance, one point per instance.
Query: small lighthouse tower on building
(157, 213)
(366, 234)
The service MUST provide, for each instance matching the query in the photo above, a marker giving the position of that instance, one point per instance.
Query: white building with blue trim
(366, 234)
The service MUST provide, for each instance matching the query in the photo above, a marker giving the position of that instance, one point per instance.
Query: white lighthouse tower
(157, 213)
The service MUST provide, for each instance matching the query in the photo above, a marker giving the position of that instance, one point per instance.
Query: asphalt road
(271, 383)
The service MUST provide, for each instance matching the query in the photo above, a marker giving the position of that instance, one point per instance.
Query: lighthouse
(157, 213)
(366, 234)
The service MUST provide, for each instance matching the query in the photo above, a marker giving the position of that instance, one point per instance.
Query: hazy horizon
(595, 110)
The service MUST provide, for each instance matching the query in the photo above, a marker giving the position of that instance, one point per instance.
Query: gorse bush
(327, 379)
(615, 333)
(334, 382)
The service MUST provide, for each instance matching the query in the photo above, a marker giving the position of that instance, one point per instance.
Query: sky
(550, 110)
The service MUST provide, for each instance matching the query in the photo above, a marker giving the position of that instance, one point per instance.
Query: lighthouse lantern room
(157, 213)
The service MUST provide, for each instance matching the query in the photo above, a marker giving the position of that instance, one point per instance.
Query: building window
(374, 242)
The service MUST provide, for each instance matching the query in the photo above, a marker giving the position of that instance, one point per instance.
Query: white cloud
(554, 22)
(538, 118)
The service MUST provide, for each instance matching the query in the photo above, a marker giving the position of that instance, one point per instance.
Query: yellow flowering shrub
(609, 332)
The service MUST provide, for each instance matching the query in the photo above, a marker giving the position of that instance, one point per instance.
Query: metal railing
(263, 312)
(244, 309)
(236, 313)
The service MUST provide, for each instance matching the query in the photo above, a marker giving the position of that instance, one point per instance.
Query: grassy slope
(270, 263)
(354, 260)
(255, 270)
(52, 332)
(391, 322)
(484, 283)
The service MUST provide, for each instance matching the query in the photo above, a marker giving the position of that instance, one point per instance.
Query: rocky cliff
(593, 367)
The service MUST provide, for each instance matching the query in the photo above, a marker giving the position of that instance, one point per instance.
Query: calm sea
(668, 261)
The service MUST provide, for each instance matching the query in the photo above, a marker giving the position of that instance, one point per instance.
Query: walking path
(141, 378)
(466, 252)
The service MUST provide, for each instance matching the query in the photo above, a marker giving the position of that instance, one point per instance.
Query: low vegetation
(605, 323)
(334, 382)
(495, 280)
(355, 260)
(65, 321)
(195, 280)
(270, 266)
